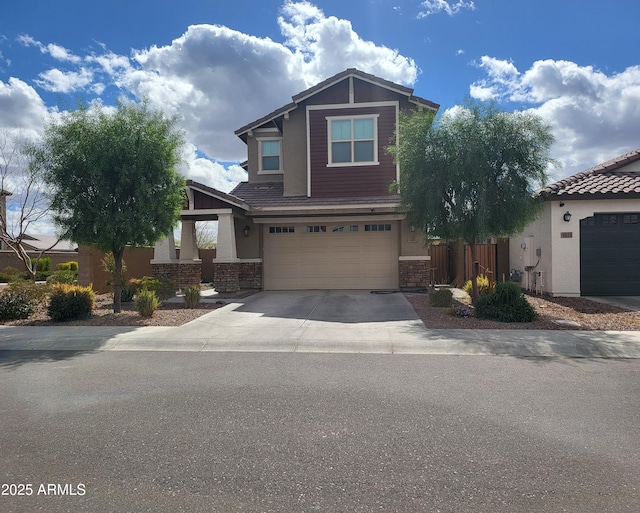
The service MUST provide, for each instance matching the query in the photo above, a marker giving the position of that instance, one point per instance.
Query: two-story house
(316, 211)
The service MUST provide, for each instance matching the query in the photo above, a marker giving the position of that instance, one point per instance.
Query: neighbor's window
(353, 140)
(270, 156)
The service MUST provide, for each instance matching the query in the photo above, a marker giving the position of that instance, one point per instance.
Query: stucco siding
(294, 145)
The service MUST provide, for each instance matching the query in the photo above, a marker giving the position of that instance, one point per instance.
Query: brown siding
(202, 201)
(351, 181)
(338, 93)
(366, 92)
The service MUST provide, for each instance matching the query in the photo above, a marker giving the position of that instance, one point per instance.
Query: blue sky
(219, 64)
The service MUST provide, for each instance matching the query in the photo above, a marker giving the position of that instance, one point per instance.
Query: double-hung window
(353, 141)
(270, 155)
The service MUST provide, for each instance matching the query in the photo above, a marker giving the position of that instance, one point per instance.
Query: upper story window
(270, 155)
(353, 140)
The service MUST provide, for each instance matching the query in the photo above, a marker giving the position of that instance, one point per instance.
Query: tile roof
(607, 180)
(270, 194)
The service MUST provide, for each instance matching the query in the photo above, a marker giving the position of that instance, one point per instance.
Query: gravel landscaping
(554, 314)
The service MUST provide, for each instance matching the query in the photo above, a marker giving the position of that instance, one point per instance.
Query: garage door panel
(331, 260)
(609, 255)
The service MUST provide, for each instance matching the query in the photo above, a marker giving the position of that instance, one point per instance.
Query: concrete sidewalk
(322, 321)
(329, 338)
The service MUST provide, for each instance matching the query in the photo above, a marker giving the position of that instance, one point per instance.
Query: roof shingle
(606, 180)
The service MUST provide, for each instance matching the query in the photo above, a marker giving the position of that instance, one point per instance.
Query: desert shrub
(146, 302)
(68, 302)
(43, 265)
(67, 266)
(36, 292)
(484, 286)
(463, 311)
(192, 296)
(441, 298)
(505, 304)
(63, 276)
(164, 287)
(15, 305)
(127, 291)
(8, 274)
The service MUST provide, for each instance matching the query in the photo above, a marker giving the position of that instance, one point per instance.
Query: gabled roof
(215, 193)
(351, 72)
(607, 180)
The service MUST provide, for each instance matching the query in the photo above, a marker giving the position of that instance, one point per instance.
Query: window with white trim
(353, 140)
(270, 155)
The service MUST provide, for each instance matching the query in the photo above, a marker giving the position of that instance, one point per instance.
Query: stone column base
(415, 272)
(183, 274)
(251, 274)
(226, 276)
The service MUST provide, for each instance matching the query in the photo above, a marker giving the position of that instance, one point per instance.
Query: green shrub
(441, 298)
(164, 288)
(8, 274)
(15, 305)
(62, 276)
(485, 287)
(146, 302)
(72, 265)
(36, 292)
(43, 265)
(506, 304)
(68, 302)
(127, 290)
(192, 296)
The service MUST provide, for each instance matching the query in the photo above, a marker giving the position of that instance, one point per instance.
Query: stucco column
(164, 250)
(188, 241)
(226, 245)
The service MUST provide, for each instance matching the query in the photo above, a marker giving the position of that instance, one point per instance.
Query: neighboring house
(587, 240)
(316, 211)
(47, 242)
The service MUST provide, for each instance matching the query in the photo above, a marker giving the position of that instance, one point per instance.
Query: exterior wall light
(246, 230)
(412, 228)
(567, 216)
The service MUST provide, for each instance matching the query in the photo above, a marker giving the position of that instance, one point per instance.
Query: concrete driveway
(627, 302)
(304, 318)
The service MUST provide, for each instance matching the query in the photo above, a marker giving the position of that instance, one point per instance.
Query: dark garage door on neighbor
(610, 255)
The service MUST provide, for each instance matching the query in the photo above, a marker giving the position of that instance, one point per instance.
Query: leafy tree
(470, 174)
(21, 188)
(112, 177)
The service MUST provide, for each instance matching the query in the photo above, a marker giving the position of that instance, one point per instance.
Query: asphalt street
(305, 432)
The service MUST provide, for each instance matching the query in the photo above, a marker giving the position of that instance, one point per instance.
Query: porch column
(188, 241)
(164, 251)
(226, 245)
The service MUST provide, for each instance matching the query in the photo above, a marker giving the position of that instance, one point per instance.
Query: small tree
(112, 178)
(471, 173)
(23, 199)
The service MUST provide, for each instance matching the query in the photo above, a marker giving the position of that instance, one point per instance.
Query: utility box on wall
(528, 253)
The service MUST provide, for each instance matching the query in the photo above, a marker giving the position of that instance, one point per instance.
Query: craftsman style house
(316, 211)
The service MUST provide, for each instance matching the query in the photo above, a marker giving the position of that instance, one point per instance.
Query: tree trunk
(117, 280)
(474, 271)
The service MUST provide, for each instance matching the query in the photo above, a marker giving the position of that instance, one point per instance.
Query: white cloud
(57, 81)
(594, 116)
(21, 107)
(430, 7)
(60, 53)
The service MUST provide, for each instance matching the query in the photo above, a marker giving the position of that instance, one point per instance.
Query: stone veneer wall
(226, 276)
(183, 274)
(414, 273)
(250, 275)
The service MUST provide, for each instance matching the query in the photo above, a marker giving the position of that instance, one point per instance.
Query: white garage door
(331, 256)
